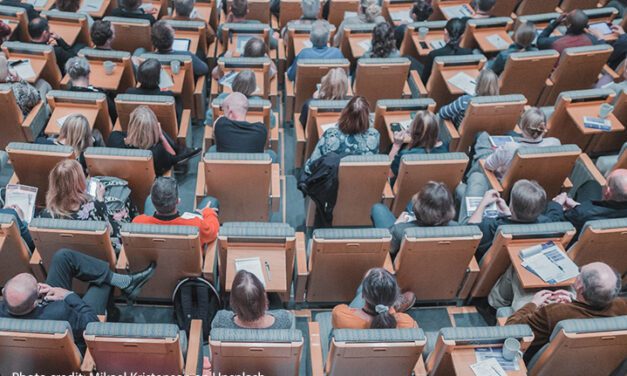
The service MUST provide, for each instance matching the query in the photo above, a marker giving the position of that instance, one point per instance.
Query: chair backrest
(252, 351)
(397, 110)
(568, 5)
(136, 33)
(133, 165)
(440, 361)
(228, 177)
(591, 346)
(496, 260)
(416, 170)
(290, 10)
(427, 253)
(539, 20)
(129, 347)
(526, 73)
(609, 142)
(120, 57)
(504, 8)
(557, 162)
(529, 7)
(32, 164)
(496, 115)
(16, 17)
(37, 346)
(600, 240)
(339, 8)
(354, 201)
(321, 112)
(310, 73)
(259, 65)
(195, 31)
(17, 128)
(93, 105)
(235, 35)
(175, 249)
(89, 237)
(43, 54)
(484, 27)
(72, 27)
(371, 72)
(597, 15)
(339, 259)
(163, 106)
(14, 254)
(445, 67)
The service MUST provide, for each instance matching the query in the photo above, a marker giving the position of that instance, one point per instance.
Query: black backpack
(195, 299)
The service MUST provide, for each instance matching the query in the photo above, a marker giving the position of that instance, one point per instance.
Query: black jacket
(449, 50)
(239, 136)
(321, 186)
(162, 160)
(587, 211)
(619, 53)
(113, 113)
(31, 12)
(139, 13)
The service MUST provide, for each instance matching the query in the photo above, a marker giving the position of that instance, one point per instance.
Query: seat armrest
(88, 364)
(122, 264)
(472, 273)
(315, 350)
(275, 187)
(185, 127)
(28, 125)
(451, 134)
(301, 140)
(417, 82)
(289, 87)
(208, 265)
(388, 195)
(610, 72)
(200, 183)
(208, 138)
(200, 97)
(194, 348)
(37, 267)
(492, 179)
(592, 169)
(14, 179)
(388, 264)
(302, 270)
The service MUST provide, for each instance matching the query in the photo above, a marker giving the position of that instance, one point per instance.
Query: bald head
(616, 187)
(598, 284)
(235, 106)
(577, 21)
(20, 294)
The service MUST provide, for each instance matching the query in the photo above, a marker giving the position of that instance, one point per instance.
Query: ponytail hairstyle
(380, 292)
(455, 28)
(533, 123)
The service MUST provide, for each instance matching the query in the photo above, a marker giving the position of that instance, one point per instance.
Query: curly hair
(383, 42)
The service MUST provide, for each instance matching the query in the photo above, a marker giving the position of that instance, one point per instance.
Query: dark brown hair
(434, 205)
(248, 297)
(68, 5)
(162, 36)
(424, 131)
(355, 117)
(380, 291)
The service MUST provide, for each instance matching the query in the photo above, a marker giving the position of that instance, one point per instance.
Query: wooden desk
(273, 266)
(301, 41)
(447, 74)
(68, 31)
(323, 120)
(481, 36)
(394, 117)
(354, 40)
(96, 13)
(528, 280)
(99, 79)
(177, 79)
(38, 63)
(404, 8)
(462, 358)
(232, 43)
(204, 11)
(62, 110)
(431, 36)
(577, 111)
(448, 4)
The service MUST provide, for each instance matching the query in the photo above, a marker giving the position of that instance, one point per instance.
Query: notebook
(457, 11)
(464, 82)
(22, 196)
(251, 265)
(472, 203)
(548, 262)
(437, 43)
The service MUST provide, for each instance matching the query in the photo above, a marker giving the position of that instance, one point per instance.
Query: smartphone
(93, 187)
(396, 127)
(424, 45)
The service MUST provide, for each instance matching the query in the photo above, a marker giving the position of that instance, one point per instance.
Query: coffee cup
(605, 110)
(511, 349)
(108, 66)
(176, 66)
(422, 32)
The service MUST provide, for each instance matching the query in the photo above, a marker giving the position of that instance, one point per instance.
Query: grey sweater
(226, 319)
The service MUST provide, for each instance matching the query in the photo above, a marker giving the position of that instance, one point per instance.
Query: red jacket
(208, 224)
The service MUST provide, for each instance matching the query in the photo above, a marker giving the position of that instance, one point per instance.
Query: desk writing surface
(40, 5)
(68, 31)
(448, 73)
(528, 279)
(394, 117)
(92, 10)
(177, 79)
(276, 278)
(401, 11)
(577, 111)
(98, 78)
(324, 119)
(432, 35)
(203, 11)
(64, 109)
(481, 36)
(354, 40)
(301, 41)
(462, 358)
(37, 62)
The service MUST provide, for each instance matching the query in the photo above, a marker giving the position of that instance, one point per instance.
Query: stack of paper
(549, 262)
(251, 265)
(488, 367)
(24, 69)
(464, 82)
(457, 11)
(22, 196)
(597, 123)
(497, 41)
(496, 353)
(165, 80)
(227, 79)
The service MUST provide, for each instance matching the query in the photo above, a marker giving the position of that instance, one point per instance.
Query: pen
(556, 264)
(268, 270)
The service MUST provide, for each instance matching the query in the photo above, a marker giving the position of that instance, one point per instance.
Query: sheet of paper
(497, 41)
(552, 265)
(350, 14)
(365, 44)
(37, 3)
(327, 126)
(457, 11)
(188, 215)
(464, 82)
(405, 124)
(241, 42)
(437, 43)
(22, 196)
(485, 353)
(147, 7)
(61, 120)
(401, 15)
(497, 141)
(489, 367)
(251, 265)
(472, 203)
(165, 80)
(307, 43)
(24, 70)
(195, 14)
(91, 5)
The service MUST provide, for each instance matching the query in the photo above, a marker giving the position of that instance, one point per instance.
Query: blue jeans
(381, 216)
(149, 207)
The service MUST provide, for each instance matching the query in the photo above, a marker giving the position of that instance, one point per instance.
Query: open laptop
(181, 44)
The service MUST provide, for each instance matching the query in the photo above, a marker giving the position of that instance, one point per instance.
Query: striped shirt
(456, 110)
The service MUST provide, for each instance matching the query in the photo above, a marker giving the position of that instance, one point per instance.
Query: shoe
(138, 280)
(405, 302)
(185, 155)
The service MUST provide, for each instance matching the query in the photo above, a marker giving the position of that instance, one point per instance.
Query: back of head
(455, 29)
(310, 8)
(424, 131)
(255, 47)
(101, 32)
(66, 188)
(577, 21)
(76, 133)
(319, 35)
(239, 8)
(20, 294)
(235, 106)
(130, 4)
(486, 5)
(68, 5)
(380, 291)
(184, 8)
(533, 123)
(5, 30)
(372, 12)
(601, 284)
(245, 83)
(149, 73)
(617, 185)
(434, 205)
(383, 42)
(421, 10)
(525, 34)
(144, 130)
(248, 297)
(162, 36)
(334, 85)
(487, 83)
(355, 117)
(77, 68)
(164, 195)
(37, 27)
(527, 200)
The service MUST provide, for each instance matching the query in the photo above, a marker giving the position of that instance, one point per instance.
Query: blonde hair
(76, 133)
(487, 83)
(371, 12)
(66, 188)
(533, 123)
(143, 129)
(334, 85)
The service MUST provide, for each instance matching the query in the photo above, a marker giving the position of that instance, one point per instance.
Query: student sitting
(483, 8)
(161, 209)
(255, 47)
(73, 6)
(576, 23)
(383, 44)
(249, 302)
(184, 11)
(377, 305)
(102, 35)
(369, 12)
(320, 49)
(79, 71)
(238, 12)
(432, 206)
(419, 12)
(26, 95)
(40, 34)
(133, 9)
(453, 32)
(162, 35)
(523, 42)
(310, 10)
(333, 86)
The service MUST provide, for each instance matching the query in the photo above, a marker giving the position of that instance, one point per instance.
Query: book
(22, 196)
(251, 265)
(597, 123)
(457, 11)
(437, 43)
(472, 203)
(548, 262)
(463, 82)
(165, 80)
(497, 41)
(497, 141)
(23, 68)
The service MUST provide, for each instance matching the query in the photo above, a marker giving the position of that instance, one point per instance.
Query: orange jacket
(208, 224)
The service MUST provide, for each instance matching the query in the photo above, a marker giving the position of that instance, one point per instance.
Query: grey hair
(77, 67)
(595, 292)
(184, 7)
(319, 36)
(164, 194)
(310, 8)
